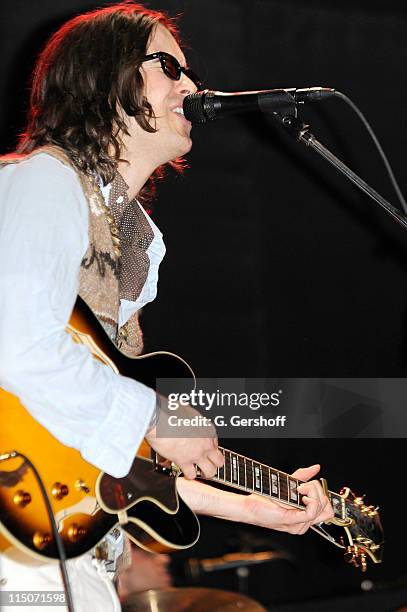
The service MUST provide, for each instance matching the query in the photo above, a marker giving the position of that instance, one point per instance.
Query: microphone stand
(301, 132)
(240, 562)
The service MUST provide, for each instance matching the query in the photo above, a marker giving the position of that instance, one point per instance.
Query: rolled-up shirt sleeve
(43, 238)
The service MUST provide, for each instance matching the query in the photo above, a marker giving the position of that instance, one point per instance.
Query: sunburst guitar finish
(87, 503)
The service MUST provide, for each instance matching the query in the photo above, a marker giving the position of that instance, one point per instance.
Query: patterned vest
(115, 264)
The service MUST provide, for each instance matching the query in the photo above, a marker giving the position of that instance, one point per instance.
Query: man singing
(105, 118)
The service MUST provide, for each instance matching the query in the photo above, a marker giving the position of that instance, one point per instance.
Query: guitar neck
(245, 474)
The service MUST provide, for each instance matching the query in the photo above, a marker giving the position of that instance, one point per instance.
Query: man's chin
(184, 148)
(189, 145)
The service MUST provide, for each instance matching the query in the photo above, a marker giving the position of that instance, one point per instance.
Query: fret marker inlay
(274, 484)
(257, 485)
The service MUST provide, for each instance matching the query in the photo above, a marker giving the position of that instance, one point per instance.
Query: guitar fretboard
(251, 476)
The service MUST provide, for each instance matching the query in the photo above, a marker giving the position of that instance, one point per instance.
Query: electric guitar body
(156, 518)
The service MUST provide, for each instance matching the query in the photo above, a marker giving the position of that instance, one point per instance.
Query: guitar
(87, 504)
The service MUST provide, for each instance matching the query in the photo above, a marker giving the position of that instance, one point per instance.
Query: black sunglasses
(172, 68)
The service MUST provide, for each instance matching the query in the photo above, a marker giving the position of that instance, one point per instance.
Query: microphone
(209, 105)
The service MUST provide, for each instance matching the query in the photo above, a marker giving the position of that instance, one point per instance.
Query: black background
(275, 265)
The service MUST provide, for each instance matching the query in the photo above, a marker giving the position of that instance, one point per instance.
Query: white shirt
(43, 238)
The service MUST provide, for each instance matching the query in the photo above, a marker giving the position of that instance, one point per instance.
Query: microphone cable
(382, 154)
(208, 105)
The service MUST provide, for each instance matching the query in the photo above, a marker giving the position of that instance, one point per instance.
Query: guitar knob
(21, 498)
(75, 532)
(41, 540)
(59, 490)
(80, 485)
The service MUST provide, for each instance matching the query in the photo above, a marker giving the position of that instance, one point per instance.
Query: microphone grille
(194, 108)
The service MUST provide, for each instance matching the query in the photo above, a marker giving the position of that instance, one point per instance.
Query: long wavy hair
(87, 72)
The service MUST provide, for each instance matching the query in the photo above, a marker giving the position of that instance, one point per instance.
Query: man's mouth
(179, 110)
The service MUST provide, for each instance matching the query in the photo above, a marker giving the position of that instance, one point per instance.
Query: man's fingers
(313, 490)
(189, 471)
(307, 473)
(210, 464)
(207, 468)
(217, 458)
(317, 504)
(327, 512)
(313, 508)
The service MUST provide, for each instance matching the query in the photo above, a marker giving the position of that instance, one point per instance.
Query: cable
(58, 540)
(378, 146)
